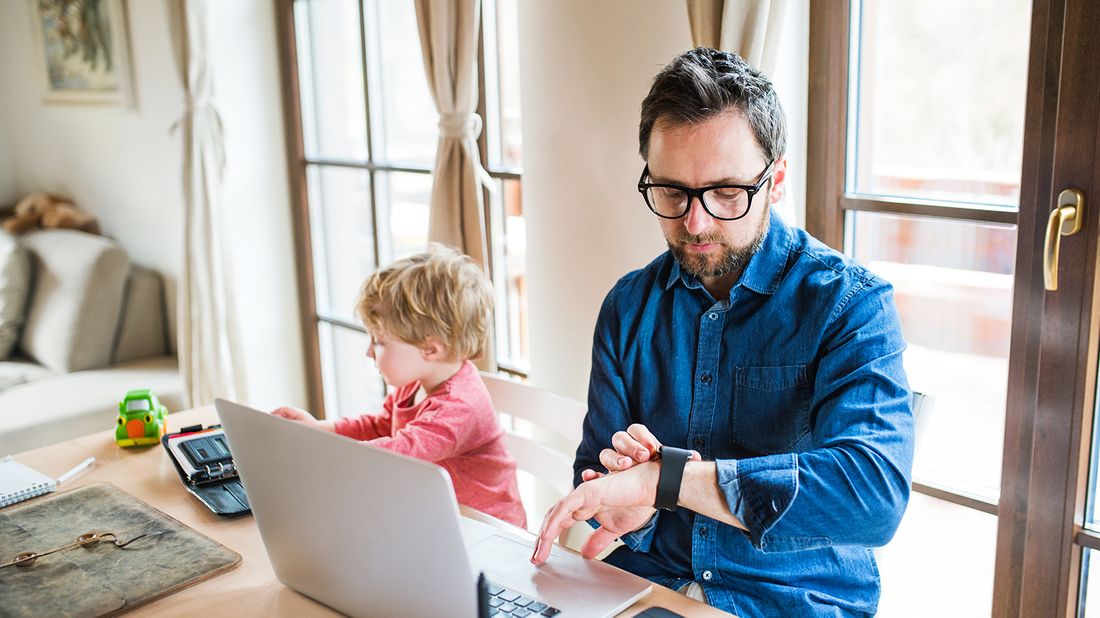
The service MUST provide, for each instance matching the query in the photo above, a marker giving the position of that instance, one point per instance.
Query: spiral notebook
(19, 483)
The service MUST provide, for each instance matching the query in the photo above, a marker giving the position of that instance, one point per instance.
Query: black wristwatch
(672, 474)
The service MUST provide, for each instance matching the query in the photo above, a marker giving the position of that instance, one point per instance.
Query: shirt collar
(677, 274)
(765, 269)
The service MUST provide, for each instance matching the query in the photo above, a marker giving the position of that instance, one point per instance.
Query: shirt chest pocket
(771, 407)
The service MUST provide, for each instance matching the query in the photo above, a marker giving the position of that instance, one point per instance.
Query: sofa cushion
(18, 370)
(15, 276)
(76, 299)
(59, 407)
(142, 331)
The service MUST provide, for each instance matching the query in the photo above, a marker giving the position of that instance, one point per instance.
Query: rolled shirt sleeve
(854, 489)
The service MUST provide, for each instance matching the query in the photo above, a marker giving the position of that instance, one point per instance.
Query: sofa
(79, 327)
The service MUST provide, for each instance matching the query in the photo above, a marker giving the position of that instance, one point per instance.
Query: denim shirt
(794, 386)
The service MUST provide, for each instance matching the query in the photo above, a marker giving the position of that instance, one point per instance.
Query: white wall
(120, 164)
(585, 68)
(257, 199)
(123, 165)
(7, 172)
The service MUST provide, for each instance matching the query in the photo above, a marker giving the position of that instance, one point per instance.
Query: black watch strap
(672, 474)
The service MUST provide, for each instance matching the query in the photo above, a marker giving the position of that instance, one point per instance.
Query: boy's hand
(294, 414)
(301, 416)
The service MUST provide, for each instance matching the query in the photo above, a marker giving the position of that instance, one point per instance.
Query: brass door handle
(1065, 220)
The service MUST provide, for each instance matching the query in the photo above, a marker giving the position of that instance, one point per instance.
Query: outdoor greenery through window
(369, 138)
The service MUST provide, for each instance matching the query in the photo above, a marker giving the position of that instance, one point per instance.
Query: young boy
(427, 316)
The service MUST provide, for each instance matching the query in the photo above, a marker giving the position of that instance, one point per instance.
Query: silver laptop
(372, 533)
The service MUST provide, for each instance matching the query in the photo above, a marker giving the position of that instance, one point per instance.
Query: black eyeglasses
(725, 202)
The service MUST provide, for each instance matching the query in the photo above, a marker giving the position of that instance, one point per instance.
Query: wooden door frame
(827, 121)
(1041, 570)
(1027, 307)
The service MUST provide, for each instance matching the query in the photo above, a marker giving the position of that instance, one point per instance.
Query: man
(776, 360)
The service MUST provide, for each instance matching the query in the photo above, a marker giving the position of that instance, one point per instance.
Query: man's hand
(621, 502)
(631, 447)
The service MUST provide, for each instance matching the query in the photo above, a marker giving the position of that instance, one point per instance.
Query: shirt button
(705, 378)
(707, 575)
(712, 315)
(698, 442)
(703, 532)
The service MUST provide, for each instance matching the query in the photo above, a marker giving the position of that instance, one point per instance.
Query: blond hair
(440, 293)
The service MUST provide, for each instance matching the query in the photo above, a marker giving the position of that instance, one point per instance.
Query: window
(364, 137)
(923, 133)
(938, 161)
(927, 189)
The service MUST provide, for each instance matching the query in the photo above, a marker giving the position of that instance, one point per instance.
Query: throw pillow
(74, 307)
(15, 275)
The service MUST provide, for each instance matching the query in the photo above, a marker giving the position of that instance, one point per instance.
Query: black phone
(657, 612)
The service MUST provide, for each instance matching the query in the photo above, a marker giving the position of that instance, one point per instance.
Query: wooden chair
(542, 431)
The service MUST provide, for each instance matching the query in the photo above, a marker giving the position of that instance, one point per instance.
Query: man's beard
(730, 259)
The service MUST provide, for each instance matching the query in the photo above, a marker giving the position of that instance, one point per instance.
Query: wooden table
(250, 589)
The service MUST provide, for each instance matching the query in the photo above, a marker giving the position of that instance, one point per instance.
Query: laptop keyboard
(504, 602)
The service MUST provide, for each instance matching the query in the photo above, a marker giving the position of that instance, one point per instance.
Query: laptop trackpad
(565, 575)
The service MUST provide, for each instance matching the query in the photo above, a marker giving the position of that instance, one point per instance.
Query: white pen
(77, 469)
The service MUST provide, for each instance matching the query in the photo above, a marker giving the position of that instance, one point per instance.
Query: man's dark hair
(703, 83)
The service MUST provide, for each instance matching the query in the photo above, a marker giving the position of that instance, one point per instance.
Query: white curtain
(209, 352)
(749, 28)
(448, 41)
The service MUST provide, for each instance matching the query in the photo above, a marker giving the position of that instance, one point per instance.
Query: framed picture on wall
(83, 50)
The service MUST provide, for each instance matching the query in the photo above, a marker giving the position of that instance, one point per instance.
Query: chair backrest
(529, 414)
(542, 431)
(922, 411)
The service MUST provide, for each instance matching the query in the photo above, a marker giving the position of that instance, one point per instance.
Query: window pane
(953, 287)
(404, 200)
(510, 275)
(938, 103)
(330, 75)
(342, 236)
(940, 562)
(1091, 520)
(1090, 581)
(502, 84)
(404, 121)
(352, 384)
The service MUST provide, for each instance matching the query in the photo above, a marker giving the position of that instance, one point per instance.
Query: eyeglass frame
(28, 558)
(750, 190)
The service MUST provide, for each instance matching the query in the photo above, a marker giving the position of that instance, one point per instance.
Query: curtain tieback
(460, 125)
(192, 105)
(215, 131)
(466, 127)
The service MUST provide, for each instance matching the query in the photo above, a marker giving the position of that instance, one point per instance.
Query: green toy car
(140, 419)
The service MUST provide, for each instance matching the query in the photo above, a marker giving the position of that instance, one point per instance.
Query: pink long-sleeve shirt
(456, 428)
